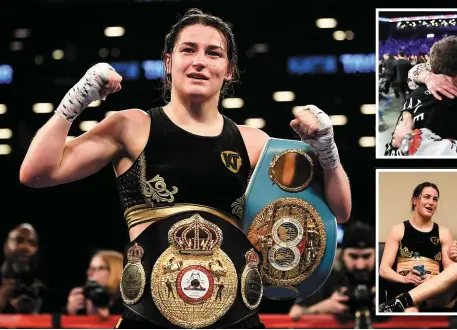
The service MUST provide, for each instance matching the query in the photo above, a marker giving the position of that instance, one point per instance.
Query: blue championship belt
(287, 219)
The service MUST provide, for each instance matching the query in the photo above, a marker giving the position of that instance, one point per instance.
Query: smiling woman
(417, 239)
(198, 63)
(182, 173)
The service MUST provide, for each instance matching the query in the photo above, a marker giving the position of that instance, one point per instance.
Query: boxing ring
(271, 321)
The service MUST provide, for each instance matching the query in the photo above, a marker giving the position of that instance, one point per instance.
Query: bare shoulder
(131, 118)
(253, 135)
(132, 114)
(397, 231)
(254, 140)
(130, 128)
(444, 232)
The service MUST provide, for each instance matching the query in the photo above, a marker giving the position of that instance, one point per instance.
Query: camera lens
(95, 292)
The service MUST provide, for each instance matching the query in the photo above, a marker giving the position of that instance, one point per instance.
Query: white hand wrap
(323, 145)
(84, 92)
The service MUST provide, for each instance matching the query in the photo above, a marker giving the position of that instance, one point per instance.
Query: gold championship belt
(193, 282)
(287, 218)
(133, 277)
(251, 281)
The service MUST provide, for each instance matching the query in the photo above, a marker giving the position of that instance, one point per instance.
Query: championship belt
(192, 267)
(194, 283)
(287, 218)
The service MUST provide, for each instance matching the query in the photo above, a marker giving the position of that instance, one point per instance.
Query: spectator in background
(389, 71)
(101, 294)
(351, 288)
(413, 46)
(21, 291)
(401, 68)
(421, 59)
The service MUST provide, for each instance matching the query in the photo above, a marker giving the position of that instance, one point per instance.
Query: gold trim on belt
(144, 213)
(194, 283)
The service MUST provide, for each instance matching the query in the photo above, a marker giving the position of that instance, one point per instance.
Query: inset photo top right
(417, 78)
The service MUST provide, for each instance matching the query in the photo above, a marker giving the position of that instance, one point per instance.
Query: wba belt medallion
(133, 279)
(251, 281)
(194, 283)
(287, 218)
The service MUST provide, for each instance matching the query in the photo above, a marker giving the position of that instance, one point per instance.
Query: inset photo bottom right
(416, 241)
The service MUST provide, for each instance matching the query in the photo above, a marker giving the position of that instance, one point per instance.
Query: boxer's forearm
(338, 193)
(389, 274)
(417, 74)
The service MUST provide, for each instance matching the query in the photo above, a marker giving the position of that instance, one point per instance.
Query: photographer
(350, 290)
(20, 290)
(100, 295)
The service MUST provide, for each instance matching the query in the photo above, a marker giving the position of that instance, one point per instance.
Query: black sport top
(428, 112)
(427, 244)
(177, 166)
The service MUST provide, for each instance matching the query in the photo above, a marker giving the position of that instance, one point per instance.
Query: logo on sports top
(231, 160)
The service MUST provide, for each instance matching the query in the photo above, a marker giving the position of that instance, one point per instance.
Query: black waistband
(154, 241)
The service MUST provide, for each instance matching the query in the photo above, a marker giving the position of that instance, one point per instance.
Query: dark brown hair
(418, 191)
(196, 16)
(443, 56)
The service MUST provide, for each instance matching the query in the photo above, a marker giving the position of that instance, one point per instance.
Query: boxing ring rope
(271, 321)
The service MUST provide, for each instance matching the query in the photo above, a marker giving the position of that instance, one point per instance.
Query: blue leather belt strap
(262, 191)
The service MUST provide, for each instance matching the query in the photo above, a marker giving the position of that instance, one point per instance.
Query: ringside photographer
(349, 292)
(20, 290)
(100, 294)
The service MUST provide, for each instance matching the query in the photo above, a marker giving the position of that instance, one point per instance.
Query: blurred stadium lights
(16, 46)
(153, 69)
(255, 122)
(339, 120)
(327, 64)
(418, 18)
(128, 70)
(326, 23)
(323, 64)
(39, 59)
(103, 52)
(367, 141)
(2, 109)
(87, 125)
(232, 103)
(58, 54)
(349, 35)
(284, 96)
(43, 107)
(6, 74)
(115, 52)
(358, 63)
(368, 109)
(21, 33)
(257, 49)
(339, 35)
(5, 149)
(6, 133)
(423, 21)
(114, 31)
